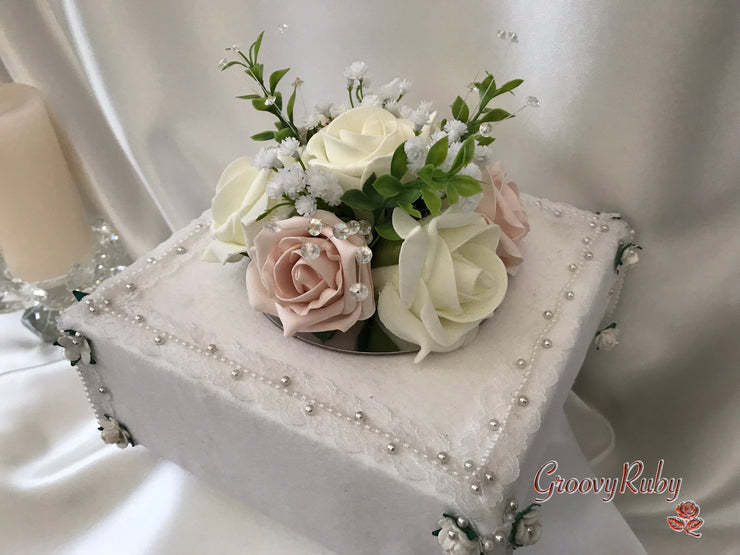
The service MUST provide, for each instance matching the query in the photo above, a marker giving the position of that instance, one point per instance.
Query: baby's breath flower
(355, 71)
(469, 204)
(371, 100)
(289, 147)
(455, 129)
(483, 155)
(416, 149)
(324, 185)
(472, 170)
(420, 116)
(394, 108)
(437, 135)
(451, 153)
(312, 120)
(338, 109)
(324, 109)
(267, 158)
(305, 205)
(290, 180)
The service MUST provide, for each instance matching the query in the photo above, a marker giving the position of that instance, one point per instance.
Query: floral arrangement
(372, 209)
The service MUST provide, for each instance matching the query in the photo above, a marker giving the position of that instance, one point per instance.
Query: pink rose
(308, 295)
(500, 205)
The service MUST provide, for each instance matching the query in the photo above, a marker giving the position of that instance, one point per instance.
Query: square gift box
(361, 453)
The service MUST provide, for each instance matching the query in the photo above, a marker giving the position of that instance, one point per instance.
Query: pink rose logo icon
(687, 520)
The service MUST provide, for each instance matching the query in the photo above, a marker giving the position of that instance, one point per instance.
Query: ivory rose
(453, 540)
(500, 205)
(357, 143)
(240, 198)
(528, 530)
(448, 279)
(308, 295)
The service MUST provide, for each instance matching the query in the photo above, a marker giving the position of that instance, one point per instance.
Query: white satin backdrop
(640, 115)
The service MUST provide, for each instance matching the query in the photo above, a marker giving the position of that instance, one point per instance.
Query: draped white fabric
(640, 115)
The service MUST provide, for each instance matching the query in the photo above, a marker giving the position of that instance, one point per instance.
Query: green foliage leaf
(410, 209)
(276, 76)
(291, 103)
(399, 162)
(257, 71)
(254, 49)
(386, 231)
(228, 65)
(264, 136)
(438, 153)
(388, 185)
(486, 89)
(432, 200)
(354, 198)
(452, 195)
(408, 196)
(485, 141)
(464, 155)
(510, 86)
(370, 191)
(249, 96)
(460, 110)
(283, 134)
(259, 104)
(465, 185)
(495, 114)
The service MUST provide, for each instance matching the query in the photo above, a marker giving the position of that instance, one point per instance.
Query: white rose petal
(240, 198)
(448, 280)
(357, 143)
(528, 530)
(453, 540)
(607, 339)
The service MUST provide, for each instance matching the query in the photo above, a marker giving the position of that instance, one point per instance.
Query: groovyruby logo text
(634, 480)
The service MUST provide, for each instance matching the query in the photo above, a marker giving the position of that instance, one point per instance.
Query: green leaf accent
(438, 153)
(257, 70)
(388, 185)
(264, 136)
(354, 198)
(386, 231)
(370, 191)
(460, 110)
(495, 114)
(510, 86)
(386, 253)
(485, 141)
(276, 76)
(254, 49)
(291, 103)
(399, 162)
(409, 208)
(283, 134)
(465, 185)
(464, 155)
(259, 104)
(228, 65)
(269, 210)
(249, 96)
(79, 295)
(432, 200)
(452, 195)
(409, 195)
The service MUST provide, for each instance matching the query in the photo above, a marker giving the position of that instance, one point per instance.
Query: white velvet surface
(62, 491)
(639, 115)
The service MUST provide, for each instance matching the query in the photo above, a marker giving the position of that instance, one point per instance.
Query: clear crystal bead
(485, 129)
(282, 28)
(315, 226)
(222, 63)
(310, 251)
(298, 82)
(353, 226)
(513, 37)
(471, 87)
(365, 227)
(501, 34)
(341, 230)
(533, 102)
(270, 100)
(364, 255)
(234, 48)
(359, 291)
(273, 225)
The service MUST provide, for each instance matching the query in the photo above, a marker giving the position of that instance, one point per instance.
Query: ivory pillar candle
(43, 228)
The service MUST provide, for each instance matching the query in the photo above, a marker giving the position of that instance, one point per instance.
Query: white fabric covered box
(362, 453)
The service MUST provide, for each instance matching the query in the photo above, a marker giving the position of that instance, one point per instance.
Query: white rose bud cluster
(607, 338)
(528, 530)
(453, 540)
